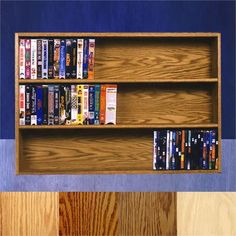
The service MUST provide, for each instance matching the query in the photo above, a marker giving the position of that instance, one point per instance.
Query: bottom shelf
(75, 151)
(107, 172)
(67, 151)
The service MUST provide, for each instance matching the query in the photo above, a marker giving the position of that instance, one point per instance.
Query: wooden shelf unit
(165, 80)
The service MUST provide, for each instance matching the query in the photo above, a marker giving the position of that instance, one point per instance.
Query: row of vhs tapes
(56, 58)
(67, 104)
(186, 149)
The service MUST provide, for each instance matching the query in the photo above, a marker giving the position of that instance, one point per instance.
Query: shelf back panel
(164, 104)
(85, 150)
(137, 58)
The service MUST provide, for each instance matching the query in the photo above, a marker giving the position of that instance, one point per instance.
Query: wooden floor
(112, 213)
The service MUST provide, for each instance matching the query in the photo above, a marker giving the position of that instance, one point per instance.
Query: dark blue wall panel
(117, 17)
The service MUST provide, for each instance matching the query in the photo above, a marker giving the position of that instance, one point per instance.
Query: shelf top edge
(118, 172)
(78, 81)
(161, 126)
(118, 34)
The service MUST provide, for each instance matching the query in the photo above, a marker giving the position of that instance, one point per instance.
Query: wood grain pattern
(86, 150)
(219, 114)
(17, 132)
(117, 81)
(147, 214)
(135, 58)
(119, 34)
(164, 104)
(206, 214)
(29, 214)
(129, 126)
(88, 214)
(117, 214)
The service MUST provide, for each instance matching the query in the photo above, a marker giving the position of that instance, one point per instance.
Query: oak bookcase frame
(152, 68)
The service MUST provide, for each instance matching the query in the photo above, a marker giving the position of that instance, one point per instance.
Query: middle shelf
(118, 81)
(117, 126)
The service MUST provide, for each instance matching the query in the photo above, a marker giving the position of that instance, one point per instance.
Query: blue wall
(117, 17)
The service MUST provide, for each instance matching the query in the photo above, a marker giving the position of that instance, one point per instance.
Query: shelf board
(122, 172)
(102, 81)
(119, 34)
(211, 125)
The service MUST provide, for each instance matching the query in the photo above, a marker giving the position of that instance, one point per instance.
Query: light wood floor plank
(29, 214)
(206, 214)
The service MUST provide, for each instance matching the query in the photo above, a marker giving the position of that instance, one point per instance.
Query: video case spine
(68, 104)
(62, 105)
(85, 105)
(39, 108)
(91, 59)
(33, 58)
(56, 104)
(73, 59)
(154, 149)
(22, 104)
(102, 104)
(170, 149)
(167, 149)
(173, 161)
(39, 58)
(189, 167)
(74, 104)
(159, 157)
(85, 58)
(80, 104)
(50, 58)
(45, 58)
(182, 160)
(213, 149)
(206, 164)
(56, 61)
(33, 106)
(69, 58)
(50, 104)
(91, 104)
(80, 45)
(186, 150)
(45, 104)
(111, 97)
(27, 105)
(62, 65)
(22, 59)
(97, 104)
(27, 58)
(210, 150)
(217, 158)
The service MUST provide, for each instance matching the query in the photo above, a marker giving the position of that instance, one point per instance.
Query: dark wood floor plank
(88, 214)
(117, 214)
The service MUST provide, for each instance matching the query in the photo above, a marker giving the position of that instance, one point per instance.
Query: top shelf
(117, 81)
(118, 34)
(145, 57)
